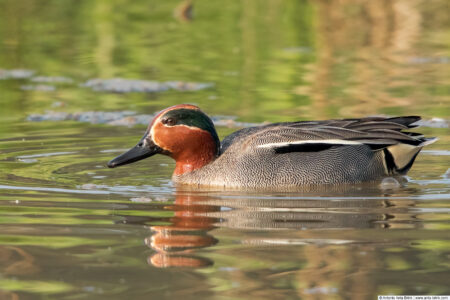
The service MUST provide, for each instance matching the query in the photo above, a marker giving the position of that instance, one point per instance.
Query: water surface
(70, 228)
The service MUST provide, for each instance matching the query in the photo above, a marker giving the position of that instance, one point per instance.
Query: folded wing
(399, 147)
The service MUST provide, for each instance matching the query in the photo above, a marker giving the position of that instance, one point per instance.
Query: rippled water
(70, 228)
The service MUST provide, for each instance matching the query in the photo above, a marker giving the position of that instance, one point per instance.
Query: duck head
(182, 132)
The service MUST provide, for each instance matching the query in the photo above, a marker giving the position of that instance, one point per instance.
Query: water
(72, 229)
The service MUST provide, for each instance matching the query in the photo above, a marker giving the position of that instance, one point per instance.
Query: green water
(70, 228)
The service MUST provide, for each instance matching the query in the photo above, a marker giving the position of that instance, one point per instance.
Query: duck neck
(200, 152)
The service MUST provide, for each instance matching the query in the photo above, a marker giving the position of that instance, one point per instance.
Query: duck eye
(169, 121)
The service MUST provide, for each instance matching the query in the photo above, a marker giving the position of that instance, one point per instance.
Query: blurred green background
(269, 60)
(73, 229)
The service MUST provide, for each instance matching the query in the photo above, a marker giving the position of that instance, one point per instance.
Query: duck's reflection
(188, 231)
(298, 219)
(15, 261)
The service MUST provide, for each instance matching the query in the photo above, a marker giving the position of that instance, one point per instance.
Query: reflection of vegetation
(271, 61)
(293, 58)
(49, 241)
(35, 286)
(272, 258)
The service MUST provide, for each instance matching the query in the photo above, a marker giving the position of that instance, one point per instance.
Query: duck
(278, 155)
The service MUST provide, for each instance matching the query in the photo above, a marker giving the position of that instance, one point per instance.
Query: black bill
(145, 148)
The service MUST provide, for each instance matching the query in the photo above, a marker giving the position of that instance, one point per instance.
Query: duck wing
(375, 132)
(399, 147)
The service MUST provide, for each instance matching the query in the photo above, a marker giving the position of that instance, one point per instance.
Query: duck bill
(145, 148)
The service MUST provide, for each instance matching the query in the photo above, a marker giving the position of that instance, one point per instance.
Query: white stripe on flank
(331, 142)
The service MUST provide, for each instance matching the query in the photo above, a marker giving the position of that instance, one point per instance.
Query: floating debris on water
(38, 87)
(16, 74)
(50, 116)
(94, 117)
(115, 85)
(141, 200)
(92, 186)
(188, 86)
(122, 85)
(123, 118)
(130, 118)
(119, 85)
(52, 79)
(99, 117)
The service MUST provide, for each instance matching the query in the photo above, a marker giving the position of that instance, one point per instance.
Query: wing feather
(376, 132)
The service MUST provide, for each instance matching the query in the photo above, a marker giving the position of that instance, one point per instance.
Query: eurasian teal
(280, 155)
